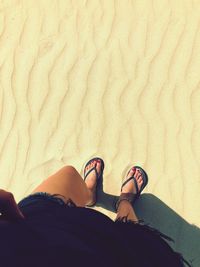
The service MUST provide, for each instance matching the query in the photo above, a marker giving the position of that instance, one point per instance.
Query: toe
(140, 180)
(92, 164)
(139, 174)
(98, 167)
(140, 183)
(136, 175)
(130, 186)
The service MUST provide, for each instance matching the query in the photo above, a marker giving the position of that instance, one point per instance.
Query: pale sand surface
(114, 79)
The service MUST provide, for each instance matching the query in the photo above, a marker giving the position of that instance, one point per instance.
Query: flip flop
(94, 168)
(132, 197)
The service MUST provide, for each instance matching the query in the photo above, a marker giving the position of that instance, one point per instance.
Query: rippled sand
(114, 79)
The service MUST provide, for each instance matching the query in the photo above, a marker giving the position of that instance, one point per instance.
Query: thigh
(68, 183)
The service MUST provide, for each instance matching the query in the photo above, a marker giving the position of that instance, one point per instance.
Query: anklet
(130, 197)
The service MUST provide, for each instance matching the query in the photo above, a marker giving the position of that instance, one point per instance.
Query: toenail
(134, 170)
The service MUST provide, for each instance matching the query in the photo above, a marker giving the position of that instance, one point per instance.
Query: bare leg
(125, 208)
(68, 183)
(91, 180)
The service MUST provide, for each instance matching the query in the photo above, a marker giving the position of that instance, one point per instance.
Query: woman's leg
(68, 183)
(125, 209)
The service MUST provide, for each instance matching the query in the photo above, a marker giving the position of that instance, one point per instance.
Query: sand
(113, 79)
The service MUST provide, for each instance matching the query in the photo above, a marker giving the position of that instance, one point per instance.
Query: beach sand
(115, 79)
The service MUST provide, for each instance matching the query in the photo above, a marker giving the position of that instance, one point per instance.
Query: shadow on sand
(158, 215)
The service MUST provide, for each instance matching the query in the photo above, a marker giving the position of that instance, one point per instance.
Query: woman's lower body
(67, 188)
(68, 185)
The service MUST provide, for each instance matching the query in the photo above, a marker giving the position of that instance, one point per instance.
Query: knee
(69, 169)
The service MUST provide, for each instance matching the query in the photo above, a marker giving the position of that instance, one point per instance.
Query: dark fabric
(46, 196)
(56, 235)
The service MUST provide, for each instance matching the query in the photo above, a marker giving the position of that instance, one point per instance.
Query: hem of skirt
(141, 223)
(46, 196)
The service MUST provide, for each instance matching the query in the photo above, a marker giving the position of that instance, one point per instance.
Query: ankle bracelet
(130, 197)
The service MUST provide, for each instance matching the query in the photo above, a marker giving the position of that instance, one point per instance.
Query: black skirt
(58, 235)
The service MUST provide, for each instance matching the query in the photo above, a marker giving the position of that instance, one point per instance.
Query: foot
(125, 208)
(130, 186)
(91, 180)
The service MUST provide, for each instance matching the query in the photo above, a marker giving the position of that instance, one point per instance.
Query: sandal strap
(130, 197)
(134, 180)
(93, 168)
